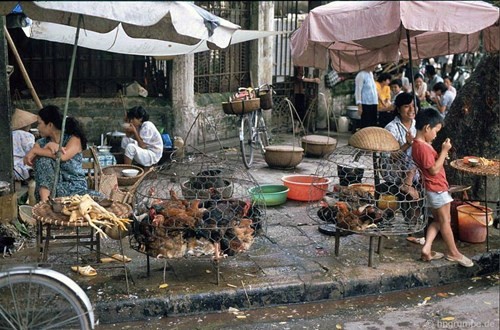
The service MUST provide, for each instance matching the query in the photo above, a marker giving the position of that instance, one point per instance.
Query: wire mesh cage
(376, 193)
(196, 207)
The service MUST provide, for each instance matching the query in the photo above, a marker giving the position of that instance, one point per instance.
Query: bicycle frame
(253, 131)
(253, 135)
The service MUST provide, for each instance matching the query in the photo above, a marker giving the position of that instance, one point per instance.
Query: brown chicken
(199, 246)
(181, 213)
(171, 246)
(353, 220)
(245, 235)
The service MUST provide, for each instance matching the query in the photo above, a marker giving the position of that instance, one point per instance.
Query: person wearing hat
(22, 142)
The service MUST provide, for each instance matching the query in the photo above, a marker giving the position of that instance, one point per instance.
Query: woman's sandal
(416, 240)
(84, 271)
(462, 261)
(434, 256)
(115, 258)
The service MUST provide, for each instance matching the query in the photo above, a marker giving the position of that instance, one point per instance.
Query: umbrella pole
(411, 70)
(66, 104)
(22, 68)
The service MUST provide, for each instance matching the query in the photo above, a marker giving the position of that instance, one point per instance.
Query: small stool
(455, 189)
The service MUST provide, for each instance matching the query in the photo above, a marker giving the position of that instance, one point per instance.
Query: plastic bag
(332, 78)
(167, 142)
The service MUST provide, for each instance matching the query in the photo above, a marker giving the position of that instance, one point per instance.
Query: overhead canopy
(354, 35)
(118, 41)
(175, 21)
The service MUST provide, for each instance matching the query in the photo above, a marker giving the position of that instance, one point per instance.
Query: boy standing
(428, 123)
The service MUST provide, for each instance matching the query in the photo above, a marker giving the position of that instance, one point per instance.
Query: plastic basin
(269, 194)
(306, 188)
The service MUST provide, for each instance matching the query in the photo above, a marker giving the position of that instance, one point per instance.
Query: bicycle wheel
(35, 301)
(246, 140)
(262, 132)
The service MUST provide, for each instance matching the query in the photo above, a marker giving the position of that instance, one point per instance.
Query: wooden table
(484, 171)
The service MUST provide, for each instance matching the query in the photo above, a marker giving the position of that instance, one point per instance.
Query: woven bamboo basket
(318, 145)
(240, 107)
(43, 211)
(26, 214)
(374, 139)
(124, 180)
(265, 95)
(283, 156)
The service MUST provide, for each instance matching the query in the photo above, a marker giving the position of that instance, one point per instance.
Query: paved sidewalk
(292, 263)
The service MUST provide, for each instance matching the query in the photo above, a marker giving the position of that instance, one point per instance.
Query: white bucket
(343, 126)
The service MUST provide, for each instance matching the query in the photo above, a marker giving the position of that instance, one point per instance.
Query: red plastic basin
(306, 188)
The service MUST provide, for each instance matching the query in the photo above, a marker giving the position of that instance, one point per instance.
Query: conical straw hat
(374, 139)
(21, 118)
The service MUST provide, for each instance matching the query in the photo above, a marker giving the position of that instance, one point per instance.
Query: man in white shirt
(366, 97)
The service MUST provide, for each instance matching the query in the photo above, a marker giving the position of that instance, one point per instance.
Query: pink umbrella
(354, 35)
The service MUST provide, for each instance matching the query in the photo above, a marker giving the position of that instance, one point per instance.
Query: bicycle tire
(34, 301)
(246, 141)
(262, 133)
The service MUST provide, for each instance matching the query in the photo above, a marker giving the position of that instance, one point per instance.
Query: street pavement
(292, 262)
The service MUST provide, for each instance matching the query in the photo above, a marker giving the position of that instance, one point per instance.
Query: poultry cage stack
(377, 190)
(196, 207)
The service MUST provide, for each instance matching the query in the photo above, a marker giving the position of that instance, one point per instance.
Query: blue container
(167, 142)
(105, 157)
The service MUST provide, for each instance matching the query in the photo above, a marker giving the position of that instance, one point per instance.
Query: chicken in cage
(195, 207)
(377, 190)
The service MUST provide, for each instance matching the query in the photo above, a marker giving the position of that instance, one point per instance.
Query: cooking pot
(352, 112)
(114, 139)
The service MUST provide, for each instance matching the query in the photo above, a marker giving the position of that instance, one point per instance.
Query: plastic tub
(269, 194)
(306, 188)
(472, 223)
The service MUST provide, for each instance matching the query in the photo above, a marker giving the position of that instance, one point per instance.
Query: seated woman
(401, 177)
(22, 142)
(42, 157)
(402, 127)
(420, 87)
(143, 143)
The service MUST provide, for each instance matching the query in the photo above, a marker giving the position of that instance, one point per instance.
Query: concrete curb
(386, 278)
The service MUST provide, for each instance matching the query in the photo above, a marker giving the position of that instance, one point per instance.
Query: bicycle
(253, 132)
(40, 298)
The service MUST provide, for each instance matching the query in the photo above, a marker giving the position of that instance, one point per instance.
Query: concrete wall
(99, 116)
(179, 114)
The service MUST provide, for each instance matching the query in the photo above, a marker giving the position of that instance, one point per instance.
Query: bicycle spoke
(263, 137)
(246, 141)
(25, 298)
